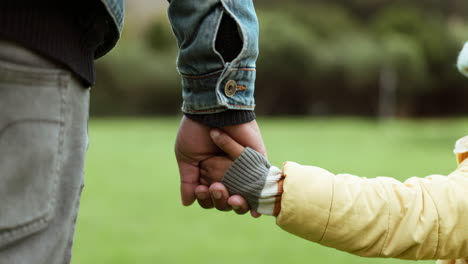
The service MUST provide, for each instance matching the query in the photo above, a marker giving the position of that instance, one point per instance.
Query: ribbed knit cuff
(270, 198)
(461, 149)
(226, 118)
(247, 176)
(252, 177)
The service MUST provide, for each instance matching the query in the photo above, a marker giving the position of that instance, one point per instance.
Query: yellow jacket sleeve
(421, 218)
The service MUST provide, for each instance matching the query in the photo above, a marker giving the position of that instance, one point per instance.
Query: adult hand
(218, 196)
(193, 145)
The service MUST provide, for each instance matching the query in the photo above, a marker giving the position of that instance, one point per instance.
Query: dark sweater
(65, 32)
(73, 33)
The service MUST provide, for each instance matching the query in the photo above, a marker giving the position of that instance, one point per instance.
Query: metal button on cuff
(230, 88)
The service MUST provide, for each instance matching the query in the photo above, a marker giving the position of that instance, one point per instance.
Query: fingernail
(201, 196)
(215, 133)
(217, 195)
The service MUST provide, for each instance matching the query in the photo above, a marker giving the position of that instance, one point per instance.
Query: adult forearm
(216, 76)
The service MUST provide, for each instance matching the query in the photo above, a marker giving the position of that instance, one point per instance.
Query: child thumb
(226, 143)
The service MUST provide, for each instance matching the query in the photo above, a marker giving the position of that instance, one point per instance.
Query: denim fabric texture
(210, 84)
(43, 140)
(116, 9)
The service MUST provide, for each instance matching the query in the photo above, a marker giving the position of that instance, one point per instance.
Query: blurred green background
(367, 87)
(376, 58)
(131, 212)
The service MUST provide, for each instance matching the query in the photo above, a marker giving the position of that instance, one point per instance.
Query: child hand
(213, 169)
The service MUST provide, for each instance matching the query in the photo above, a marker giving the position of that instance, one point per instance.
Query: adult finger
(238, 204)
(220, 195)
(189, 175)
(193, 144)
(226, 143)
(204, 176)
(203, 196)
(248, 135)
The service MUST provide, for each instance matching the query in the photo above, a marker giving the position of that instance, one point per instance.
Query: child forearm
(421, 218)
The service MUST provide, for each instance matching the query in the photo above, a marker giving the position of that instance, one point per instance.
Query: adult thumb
(226, 143)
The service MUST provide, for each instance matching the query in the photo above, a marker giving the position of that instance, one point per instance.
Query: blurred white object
(462, 145)
(463, 60)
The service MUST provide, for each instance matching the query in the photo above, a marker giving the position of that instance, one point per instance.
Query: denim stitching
(42, 222)
(38, 76)
(245, 36)
(202, 76)
(17, 122)
(209, 75)
(63, 85)
(213, 41)
(217, 110)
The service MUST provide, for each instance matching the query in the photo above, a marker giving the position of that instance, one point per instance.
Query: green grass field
(131, 212)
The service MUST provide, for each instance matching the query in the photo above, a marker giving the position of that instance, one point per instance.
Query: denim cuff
(210, 84)
(232, 88)
(226, 118)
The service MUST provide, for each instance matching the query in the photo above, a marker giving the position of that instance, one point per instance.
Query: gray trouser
(43, 140)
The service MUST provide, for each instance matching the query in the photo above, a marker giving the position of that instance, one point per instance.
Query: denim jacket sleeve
(209, 84)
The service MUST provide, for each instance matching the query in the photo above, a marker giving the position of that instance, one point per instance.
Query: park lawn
(131, 213)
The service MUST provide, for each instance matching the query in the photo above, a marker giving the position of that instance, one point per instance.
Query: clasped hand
(194, 148)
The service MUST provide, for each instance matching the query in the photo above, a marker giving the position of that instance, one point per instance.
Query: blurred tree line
(341, 57)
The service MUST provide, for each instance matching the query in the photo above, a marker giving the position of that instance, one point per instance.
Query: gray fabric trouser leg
(43, 140)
